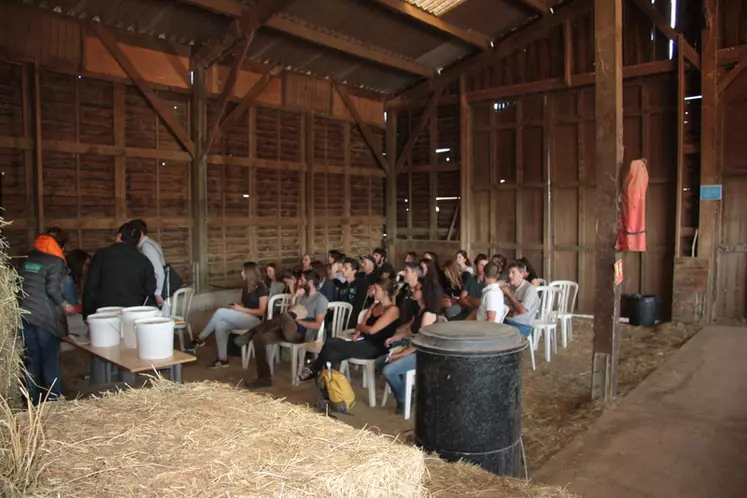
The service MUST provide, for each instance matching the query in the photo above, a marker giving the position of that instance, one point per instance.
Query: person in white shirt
(152, 250)
(492, 307)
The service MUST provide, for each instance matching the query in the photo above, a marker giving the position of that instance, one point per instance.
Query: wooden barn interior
(268, 129)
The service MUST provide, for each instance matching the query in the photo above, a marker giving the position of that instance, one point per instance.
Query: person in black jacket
(42, 272)
(119, 275)
(355, 290)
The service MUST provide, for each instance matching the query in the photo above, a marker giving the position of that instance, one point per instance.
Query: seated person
(396, 364)
(386, 270)
(369, 270)
(471, 294)
(463, 262)
(529, 274)
(370, 337)
(522, 299)
(453, 289)
(272, 280)
(287, 327)
(492, 308)
(410, 257)
(244, 316)
(502, 263)
(355, 291)
(329, 287)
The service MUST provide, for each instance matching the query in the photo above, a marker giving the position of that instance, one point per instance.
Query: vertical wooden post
(347, 228)
(38, 152)
(609, 155)
(708, 222)
(519, 158)
(680, 145)
(465, 166)
(28, 157)
(199, 183)
(120, 166)
(391, 185)
(548, 146)
(433, 179)
(567, 52)
(309, 151)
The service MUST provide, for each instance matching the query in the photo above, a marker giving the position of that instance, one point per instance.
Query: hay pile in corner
(462, 479)
(10, 324)
(209, 439)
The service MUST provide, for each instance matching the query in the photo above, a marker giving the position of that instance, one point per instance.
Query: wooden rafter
(731, 76)
(349, 47)
(228, 88)
(519, 40)
(251, 96)
(419, 127)
(247, 20)
(361, 126)
(146, 88)
(537, 6)
(663, 25)
(413, 12)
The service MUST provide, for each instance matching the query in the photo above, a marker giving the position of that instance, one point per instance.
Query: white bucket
(110, 309)
(155, 338)
(129, 315)
(104, 330)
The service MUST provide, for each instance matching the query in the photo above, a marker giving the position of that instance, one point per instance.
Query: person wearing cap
(369, 269)
(354, 291)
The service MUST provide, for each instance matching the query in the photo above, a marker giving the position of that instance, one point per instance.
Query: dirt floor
(556, 396)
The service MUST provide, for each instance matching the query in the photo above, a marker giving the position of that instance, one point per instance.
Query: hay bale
(462, 479)
(209, 439)
(10, 324)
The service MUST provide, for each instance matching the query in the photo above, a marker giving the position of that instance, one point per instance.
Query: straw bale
(10, 323)
(466, 480)
(210, 439)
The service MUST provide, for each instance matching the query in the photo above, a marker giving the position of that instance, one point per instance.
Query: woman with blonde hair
(454, 278)
(244, 316)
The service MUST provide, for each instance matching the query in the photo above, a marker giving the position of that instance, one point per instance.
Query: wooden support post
(709, 219)
(419, 127)
(519, 192)
(309, 156)
(347, 228)
(120, 163)
(28, 156)
(38, 152)
(608, 16)
(199, 183)
(246, 102)
(567, 52)
(367, 137)
(432, 178)
(680, 149)
(391, 186)
(548, 146)
(465, 166)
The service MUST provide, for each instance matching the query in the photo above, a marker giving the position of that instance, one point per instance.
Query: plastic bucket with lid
(110, 309)
(129, 315)
(104, 330)
(155, 338)
(468, 396)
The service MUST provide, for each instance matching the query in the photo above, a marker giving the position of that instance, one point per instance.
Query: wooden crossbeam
(361, 126)
(215, 48)
(360, 50)
(419, 127)
(731, 76)
(228, 88)
(519, 40)
(663, 25)
(420, 15)
(246, 102)
(537, 5)
(146, 88)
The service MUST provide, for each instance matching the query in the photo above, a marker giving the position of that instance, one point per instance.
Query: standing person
(355, 291)
(492, 308)
(395, 365)
(119, 275)
(522, 299)
(287, 326)
(152, 250)
(272, 280)
(42, 273)
(386, 270)
(244, 316)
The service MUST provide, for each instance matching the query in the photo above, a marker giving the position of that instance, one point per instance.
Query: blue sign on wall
(710, 192)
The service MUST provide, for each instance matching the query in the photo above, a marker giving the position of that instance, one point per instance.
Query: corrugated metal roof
(482, 16)
(436, 7)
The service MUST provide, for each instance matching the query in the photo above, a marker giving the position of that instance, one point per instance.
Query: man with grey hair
(521, 298)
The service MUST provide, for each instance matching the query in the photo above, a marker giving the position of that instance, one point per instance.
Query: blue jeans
(524, 329)
(69, 291)
(394, 373)
(42, 362)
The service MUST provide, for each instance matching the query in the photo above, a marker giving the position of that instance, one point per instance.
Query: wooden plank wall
(107, 157)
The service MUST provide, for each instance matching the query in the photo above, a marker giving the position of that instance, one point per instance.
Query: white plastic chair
(542, 282)
(409, 384)
(545, 323)
(340, 315)
(566, 305)
(369, 369)
(279, 301)
(181, 304)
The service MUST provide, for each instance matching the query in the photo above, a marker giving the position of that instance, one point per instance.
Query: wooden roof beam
(468, 36)
(419, 127)
(537, 6)
(349, 47)
(663, 25)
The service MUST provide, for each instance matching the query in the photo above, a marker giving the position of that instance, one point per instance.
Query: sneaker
(219, 364)
(306, 375)
(194, 346)
(259, 383)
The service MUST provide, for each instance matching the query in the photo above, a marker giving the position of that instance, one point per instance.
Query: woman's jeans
(42, 362)
(222, 323)
(394, 373)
